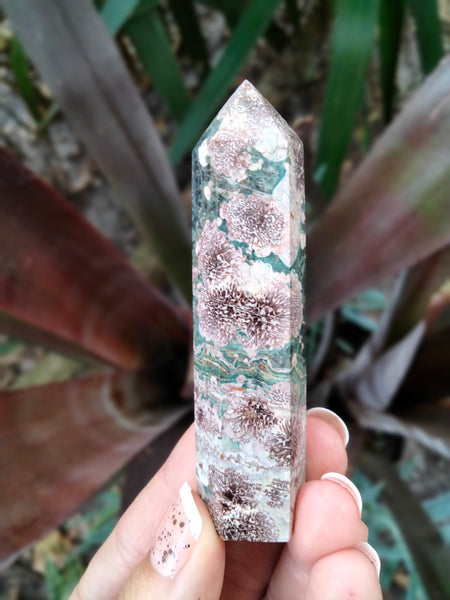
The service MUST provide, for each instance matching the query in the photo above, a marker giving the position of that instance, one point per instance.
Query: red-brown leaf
(59, 274)
(58, 444)
(395, 209)
(75, 55)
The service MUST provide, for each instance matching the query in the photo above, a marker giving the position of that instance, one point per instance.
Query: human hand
(326, 558)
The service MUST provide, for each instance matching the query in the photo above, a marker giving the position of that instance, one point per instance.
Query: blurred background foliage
(341, 72)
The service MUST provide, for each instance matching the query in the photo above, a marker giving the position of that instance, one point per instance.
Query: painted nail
(332, 418)
(179, 530)
(348, 485)
(371, 554)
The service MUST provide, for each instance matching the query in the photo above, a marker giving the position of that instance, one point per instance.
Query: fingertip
(202, 576)
(344, 574)
(334, 419)
(325, 448)
(187, 558)
(371, 554)
(348, 485)
(327, 519)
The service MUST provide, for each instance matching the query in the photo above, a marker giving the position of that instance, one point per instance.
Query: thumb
(187, 558)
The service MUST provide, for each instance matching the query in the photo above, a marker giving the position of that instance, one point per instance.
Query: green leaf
(21, 72)
(9, 346)
(393, 211)
(252, 24)
(392, 15)
(155, 51)
(60, 583)
(355, 317)
(438, 507)
(52, 367)
(429, 33)
(192, 35)
(116, 12)
(351, 47)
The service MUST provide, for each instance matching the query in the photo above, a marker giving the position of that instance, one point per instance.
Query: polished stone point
(248, 220)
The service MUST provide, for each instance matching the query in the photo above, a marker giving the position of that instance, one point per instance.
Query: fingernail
(180, 528)
(371, 554)
(348, 485)
(332, 418)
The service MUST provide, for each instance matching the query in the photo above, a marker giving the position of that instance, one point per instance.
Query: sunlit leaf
(90, 82)
(351, 47)
(59, 443)
(59, 274)
(253, 22)
(393, 212)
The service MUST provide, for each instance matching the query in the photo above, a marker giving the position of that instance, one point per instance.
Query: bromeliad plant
(63, 285)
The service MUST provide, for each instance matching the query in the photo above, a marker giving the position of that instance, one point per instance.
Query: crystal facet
(249, 372)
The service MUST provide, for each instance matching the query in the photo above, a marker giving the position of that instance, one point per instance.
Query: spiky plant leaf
(393, 212)
(351, 47)
(89, 80)
(59, 274)
(60, 442)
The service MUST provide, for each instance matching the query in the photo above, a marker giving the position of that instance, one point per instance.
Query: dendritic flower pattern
(232, 488)
(229, 156)
(256, 220)
(249, 416)
(249, 372)
(236, 524)
(281, 444)
(279, 395)
(277, 492)
(207, 418)
(286, 441)
(232, 312)
(218, 259)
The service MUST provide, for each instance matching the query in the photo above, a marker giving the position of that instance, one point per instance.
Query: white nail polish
(371, 554)
(179, 531)
(345, 482)
(332, 418)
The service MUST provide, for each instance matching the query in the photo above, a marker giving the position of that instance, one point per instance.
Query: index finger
(131, 539)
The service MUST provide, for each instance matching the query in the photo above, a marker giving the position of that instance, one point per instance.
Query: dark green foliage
(351, 48)
(429, 34)
(252, 24)
(21, 69)
(148, 34)
(390, 29)
(192, 36)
